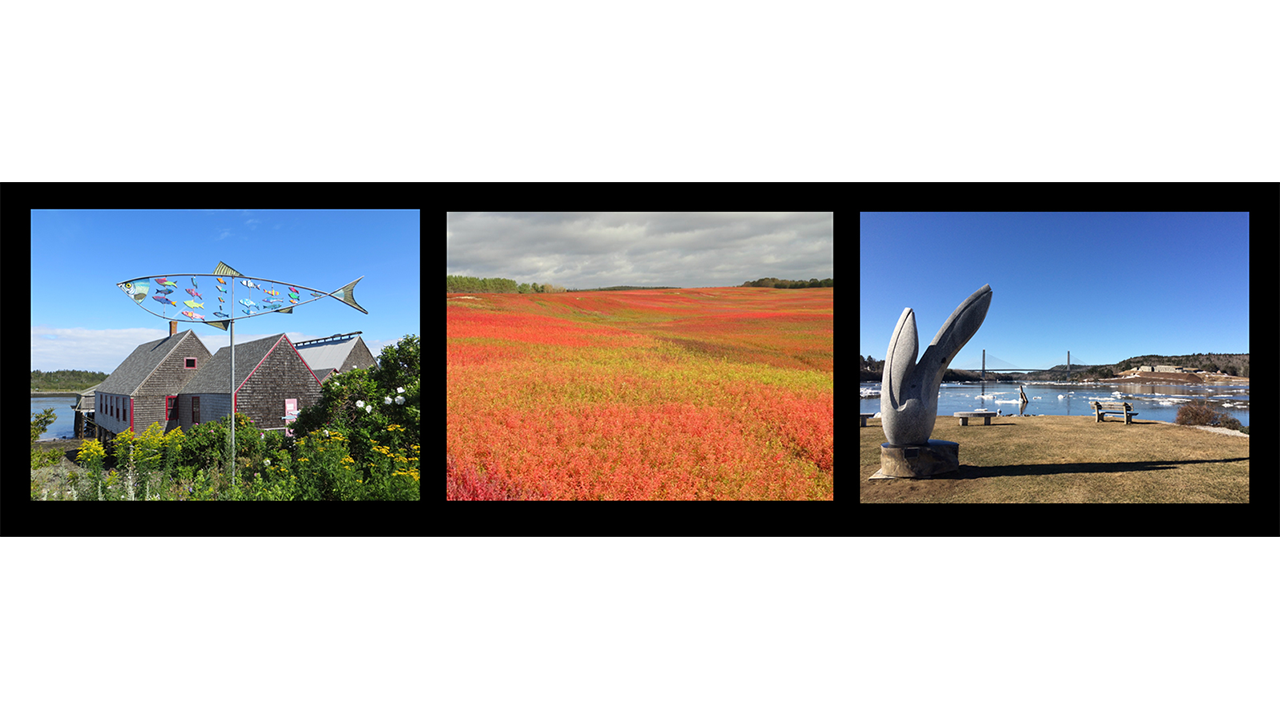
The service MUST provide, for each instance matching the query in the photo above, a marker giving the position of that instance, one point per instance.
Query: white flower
(386, 401)
(399, 399)
(368, 409)
(400, 390)
(359, 403)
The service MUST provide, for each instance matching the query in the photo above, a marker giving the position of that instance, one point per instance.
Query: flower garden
(360, 442)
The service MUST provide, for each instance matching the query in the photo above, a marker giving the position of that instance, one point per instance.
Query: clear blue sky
(80, 320)
(1106, 286)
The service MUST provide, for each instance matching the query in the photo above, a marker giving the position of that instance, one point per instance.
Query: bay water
(1152, 402)
(65, 424)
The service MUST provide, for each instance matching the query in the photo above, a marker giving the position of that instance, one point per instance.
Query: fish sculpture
(909, 390)
(225, 275)
(136, 290)
(221, 314)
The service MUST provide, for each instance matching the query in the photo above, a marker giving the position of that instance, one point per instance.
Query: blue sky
(80, 320)
(1106, 286)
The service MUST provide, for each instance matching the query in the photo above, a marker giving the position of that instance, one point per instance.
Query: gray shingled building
(336, 353)
(144, 389)
(272, 381)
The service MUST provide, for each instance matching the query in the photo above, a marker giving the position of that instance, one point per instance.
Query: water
(1152, 402)
(65, 424)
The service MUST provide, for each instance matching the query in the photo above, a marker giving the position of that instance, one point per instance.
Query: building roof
(142, 362)
(213, 376)
(326, 354)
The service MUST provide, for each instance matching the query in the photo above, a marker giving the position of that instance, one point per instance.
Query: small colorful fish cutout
(192, 315)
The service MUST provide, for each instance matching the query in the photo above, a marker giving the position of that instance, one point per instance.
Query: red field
(707, 394)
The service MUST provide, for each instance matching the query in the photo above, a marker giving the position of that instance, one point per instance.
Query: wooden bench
(864, 417)
(1102, 409)
(986, 416)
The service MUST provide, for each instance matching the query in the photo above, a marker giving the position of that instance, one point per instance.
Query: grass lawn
(1058, 459)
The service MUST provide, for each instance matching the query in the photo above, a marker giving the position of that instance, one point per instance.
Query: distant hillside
(623, 287)
(789, 284)
(65, 379)
(1236, 364)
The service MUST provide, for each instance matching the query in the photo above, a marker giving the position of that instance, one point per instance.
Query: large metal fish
(344, 294)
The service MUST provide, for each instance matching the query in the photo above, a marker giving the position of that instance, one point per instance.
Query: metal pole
(984, 364)
(232, 323)
(1068, 366)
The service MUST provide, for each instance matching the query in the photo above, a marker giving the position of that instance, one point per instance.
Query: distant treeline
(65, 379)
(625, 287)
(468, 284)
(776, 283)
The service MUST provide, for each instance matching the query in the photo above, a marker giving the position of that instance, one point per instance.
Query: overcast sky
(588, 250)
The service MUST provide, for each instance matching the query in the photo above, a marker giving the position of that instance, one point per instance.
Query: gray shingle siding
(134, 394)
(268, 371)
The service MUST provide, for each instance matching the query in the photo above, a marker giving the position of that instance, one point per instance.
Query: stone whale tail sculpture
(909, 392)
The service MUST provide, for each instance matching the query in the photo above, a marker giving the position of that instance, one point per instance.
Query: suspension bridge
(998, 365)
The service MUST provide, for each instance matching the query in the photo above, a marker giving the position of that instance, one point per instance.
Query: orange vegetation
(717, 393)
